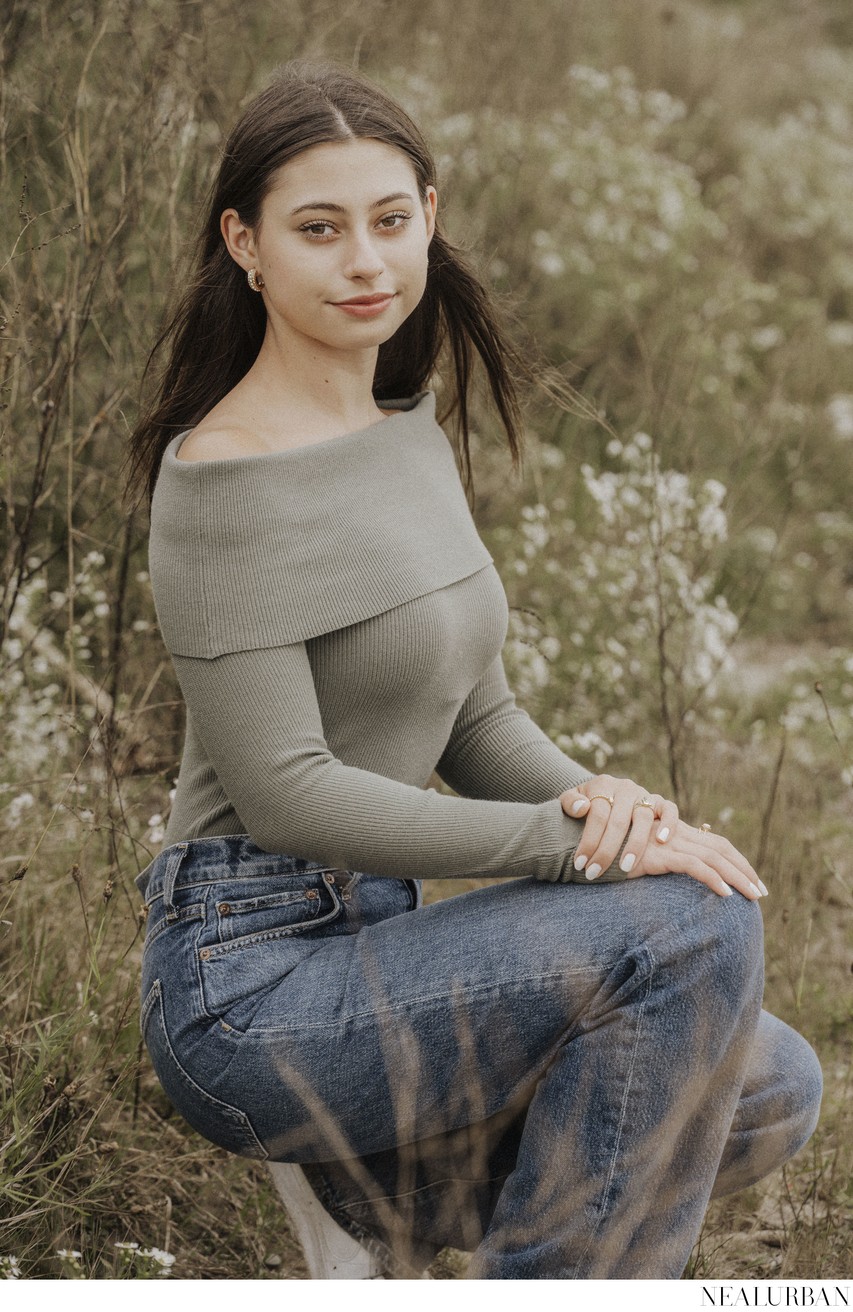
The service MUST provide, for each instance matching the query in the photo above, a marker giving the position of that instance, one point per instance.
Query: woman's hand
(708, 857)
(612, 807)
(658, 842)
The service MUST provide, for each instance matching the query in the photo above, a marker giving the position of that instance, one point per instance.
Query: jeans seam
(233, 876)
(238, 1118)
(187, 916)
(605, 1198)
(395, 1008)
(221, 951)
(422, 1189)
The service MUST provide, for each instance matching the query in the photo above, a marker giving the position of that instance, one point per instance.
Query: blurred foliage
(662, 194)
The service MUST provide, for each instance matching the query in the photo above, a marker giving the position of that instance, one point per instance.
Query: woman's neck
(309, 379)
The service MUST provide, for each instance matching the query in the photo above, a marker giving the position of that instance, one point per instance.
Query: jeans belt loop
(176, 856)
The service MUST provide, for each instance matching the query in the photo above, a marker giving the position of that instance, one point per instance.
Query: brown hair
(216, 331)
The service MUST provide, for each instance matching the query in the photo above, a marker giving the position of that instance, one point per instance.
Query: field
(662, 194)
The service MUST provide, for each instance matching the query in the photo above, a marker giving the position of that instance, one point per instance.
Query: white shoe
(330, 1253)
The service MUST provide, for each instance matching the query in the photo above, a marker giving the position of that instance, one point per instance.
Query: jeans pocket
(249, 943)
(216, 1120)
(283, 912)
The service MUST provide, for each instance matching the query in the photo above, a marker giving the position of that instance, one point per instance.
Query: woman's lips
(366, 307)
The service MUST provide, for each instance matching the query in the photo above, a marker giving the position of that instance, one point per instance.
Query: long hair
(214, 335)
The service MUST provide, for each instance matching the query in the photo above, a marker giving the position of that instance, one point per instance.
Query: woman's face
(341, 244)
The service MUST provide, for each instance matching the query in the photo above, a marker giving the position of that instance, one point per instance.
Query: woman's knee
(778, 1108)
(718, 938)
(786, 1070)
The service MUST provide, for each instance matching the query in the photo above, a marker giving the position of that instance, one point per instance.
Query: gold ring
(604, 797)
(706, 829)
(644, 801)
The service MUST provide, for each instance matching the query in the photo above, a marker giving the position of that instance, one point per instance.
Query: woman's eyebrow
(341, 209)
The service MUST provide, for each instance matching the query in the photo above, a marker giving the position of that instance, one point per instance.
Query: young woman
(555, 1071)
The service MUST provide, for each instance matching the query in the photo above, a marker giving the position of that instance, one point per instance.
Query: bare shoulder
(220, 442)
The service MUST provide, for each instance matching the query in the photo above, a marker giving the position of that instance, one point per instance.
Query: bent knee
(709, 952)
(787, 1067)
(725, 935)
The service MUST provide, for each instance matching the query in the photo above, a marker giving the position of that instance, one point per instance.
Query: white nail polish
(763, 889)
(756, 890)
(578, 806)
(727, 892)
(627, 862)
(580, 862)
(593, 871)
(663, 835)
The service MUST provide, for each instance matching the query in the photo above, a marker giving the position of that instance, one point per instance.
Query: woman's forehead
(360, 170)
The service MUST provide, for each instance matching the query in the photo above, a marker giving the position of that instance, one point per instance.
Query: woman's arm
(257, 716)
(497, 751)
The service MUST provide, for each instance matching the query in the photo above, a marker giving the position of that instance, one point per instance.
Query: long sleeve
(497, 751)
(329, 609)
(257, 716)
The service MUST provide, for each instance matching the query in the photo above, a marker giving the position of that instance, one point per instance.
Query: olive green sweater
(336, 626)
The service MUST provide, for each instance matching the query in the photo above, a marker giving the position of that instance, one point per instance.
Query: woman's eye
(395, 220)
(318, 228)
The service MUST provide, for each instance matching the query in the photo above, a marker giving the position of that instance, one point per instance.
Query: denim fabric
(554, 1076)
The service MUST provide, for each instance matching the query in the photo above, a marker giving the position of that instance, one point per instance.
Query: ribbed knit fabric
(336, 626)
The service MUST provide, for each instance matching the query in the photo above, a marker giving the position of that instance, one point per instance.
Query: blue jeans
(556, 1077)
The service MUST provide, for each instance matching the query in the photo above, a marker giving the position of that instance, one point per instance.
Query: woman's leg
(625, 1132)
(778, 1108)
(443, 1192)
(285, 1024)
(623, 1015)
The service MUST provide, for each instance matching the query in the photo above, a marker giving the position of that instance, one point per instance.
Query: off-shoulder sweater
(336, 625)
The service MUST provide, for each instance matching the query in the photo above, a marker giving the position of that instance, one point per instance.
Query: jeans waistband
(221, 857)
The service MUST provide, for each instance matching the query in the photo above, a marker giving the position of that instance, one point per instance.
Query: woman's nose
(363, 259)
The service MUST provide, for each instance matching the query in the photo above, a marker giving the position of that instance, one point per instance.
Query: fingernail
(756, 890)
(763, 889)
(579, 805)
(727, 892)
(627, 862)
(593, 871)
(662, 835)
(580, 862)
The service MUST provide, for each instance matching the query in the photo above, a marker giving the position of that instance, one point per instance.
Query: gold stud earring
(256, 281)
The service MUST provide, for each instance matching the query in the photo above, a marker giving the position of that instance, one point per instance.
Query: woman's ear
(430, 207)
(239, 239)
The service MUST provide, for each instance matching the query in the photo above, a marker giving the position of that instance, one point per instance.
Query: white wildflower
(840, 412)
(551, 263)
(156, 829)
(159, 1257)
(17, 807)
(840, 333)
(764, 339)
